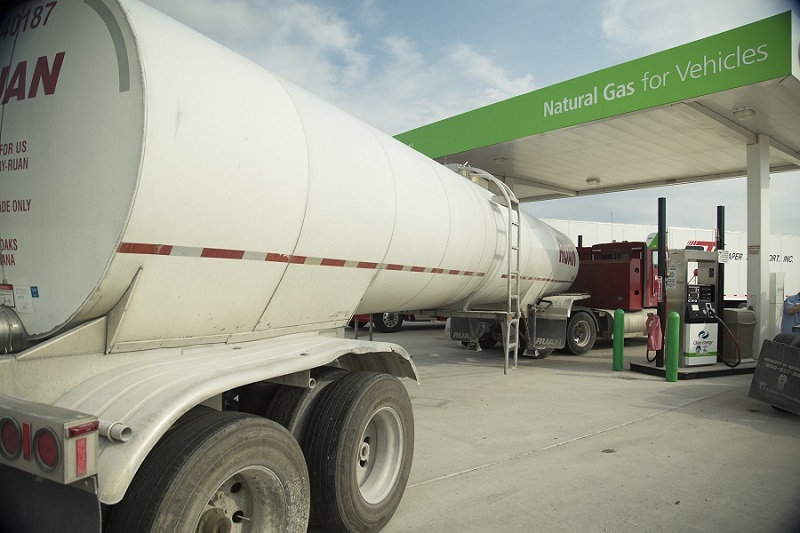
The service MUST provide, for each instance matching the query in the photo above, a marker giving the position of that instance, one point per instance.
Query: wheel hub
(380, 455)
(214, 521)
(364, 453)
(581, 334)
(390, 320)
(238, 505)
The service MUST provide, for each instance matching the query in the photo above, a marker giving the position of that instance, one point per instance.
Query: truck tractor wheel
(387, 322)
(359, 449)
(223, 471)
(580, 333)
(292, 407)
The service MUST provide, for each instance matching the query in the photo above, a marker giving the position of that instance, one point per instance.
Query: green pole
(619, 338)
(673, 340)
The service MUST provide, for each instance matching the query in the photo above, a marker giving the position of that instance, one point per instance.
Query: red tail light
(47, 441)
(47, 451)
(10, 438)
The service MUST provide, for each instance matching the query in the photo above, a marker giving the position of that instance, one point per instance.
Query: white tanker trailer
(178, 267)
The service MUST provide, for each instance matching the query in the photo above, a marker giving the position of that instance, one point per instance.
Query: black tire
(256, 397)
(216, 469)
(359, 450)
(190, 415)
(293, 407)
(581, 333)
(787, 338)
(387, 322)
(487, 340)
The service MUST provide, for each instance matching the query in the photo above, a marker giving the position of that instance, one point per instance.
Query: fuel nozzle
(710, 310)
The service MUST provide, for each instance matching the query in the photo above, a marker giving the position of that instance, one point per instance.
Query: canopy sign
(754, 53)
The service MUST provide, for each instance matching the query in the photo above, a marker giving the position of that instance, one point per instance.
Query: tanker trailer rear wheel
(293, 407)
(387, 322)
(580, 333)
(220, 472)
(359, 450)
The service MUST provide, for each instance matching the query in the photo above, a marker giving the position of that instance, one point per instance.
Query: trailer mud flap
(467, 330)
(549, 332)
(31, 504)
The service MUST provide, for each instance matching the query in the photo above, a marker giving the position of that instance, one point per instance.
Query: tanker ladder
(509, 318)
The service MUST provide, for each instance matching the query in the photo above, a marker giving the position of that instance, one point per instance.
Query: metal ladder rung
(509, 200)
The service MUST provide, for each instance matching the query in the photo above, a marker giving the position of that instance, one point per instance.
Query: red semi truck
(616, 275)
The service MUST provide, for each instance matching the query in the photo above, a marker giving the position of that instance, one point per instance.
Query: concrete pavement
(566, 444)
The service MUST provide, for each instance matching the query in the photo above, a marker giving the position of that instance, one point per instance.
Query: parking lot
(566, 444)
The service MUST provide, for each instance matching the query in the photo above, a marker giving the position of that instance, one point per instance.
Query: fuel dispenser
(692, 293)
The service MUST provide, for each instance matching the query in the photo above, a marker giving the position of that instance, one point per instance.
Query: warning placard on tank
(6, 295)
(22, 296)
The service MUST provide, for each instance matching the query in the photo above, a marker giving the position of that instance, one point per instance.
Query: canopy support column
(758, 236)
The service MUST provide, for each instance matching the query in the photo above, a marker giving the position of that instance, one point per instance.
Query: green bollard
(619, 338)
(672, 347)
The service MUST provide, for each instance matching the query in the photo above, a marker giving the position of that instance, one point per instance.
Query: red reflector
(10, 438)
(80, 457)
(80, 429)
(46, 446)
(26, 441)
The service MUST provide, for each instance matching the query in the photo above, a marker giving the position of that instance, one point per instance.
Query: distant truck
(392, 322)
(178, 268)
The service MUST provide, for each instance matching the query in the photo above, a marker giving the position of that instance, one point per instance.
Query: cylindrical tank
(130, 145)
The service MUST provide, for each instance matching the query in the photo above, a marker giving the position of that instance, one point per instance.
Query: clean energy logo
(702, 344)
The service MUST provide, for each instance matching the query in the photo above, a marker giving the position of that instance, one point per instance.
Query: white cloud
(302, 41)
(389, 83)
(654, 25)
(493, 80)
(409, 88)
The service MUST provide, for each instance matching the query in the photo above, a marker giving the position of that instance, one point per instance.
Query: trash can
(742, 323)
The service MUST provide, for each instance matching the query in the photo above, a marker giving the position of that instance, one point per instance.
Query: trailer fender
(148, 391)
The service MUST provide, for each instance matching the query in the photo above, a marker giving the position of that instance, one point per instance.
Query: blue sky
(399, 64)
